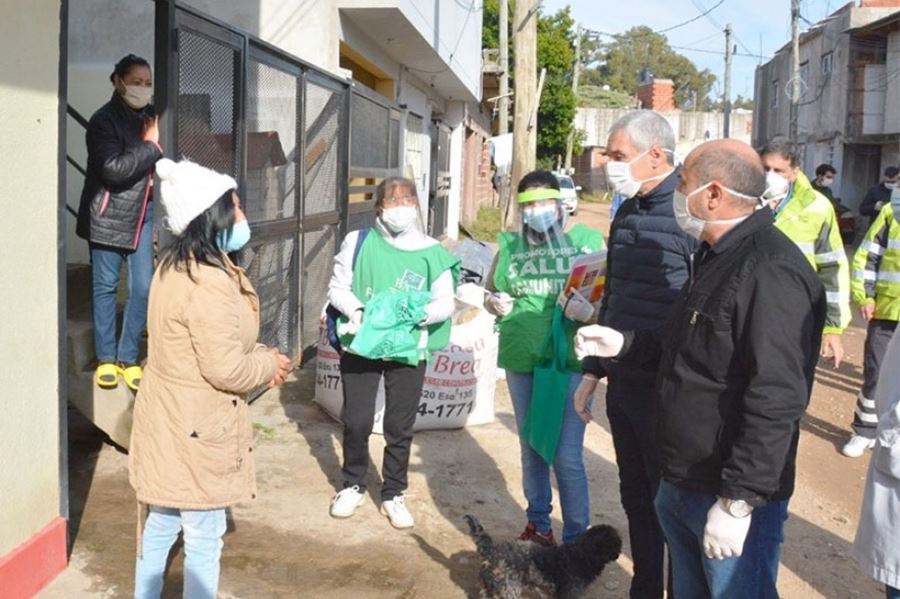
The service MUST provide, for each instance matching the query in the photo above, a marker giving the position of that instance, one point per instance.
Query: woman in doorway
(116, 216)
(395, 254)
(530, 271)
(191, 442)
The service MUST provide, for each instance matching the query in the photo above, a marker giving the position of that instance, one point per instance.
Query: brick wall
(879, 3)
(658, 95)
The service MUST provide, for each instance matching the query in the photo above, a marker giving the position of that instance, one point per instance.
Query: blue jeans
(568, 465)
(891, 592)
(203, 530)
(682, 516)
(106, 263)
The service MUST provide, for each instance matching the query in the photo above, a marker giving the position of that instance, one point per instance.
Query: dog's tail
(482, 540)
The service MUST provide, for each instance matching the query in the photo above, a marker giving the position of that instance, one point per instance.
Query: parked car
(569, 192)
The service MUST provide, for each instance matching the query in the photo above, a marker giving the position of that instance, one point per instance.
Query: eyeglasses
(400, 201)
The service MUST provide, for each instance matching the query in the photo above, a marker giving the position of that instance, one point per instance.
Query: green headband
(541, 193)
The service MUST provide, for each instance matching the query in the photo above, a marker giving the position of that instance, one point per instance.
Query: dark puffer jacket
(648, 264)
(119, 172)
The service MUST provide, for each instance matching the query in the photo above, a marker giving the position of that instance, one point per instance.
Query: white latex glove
(583, 396)
(352, 326)
(500, 304)
(597, 340)
(724, 535)
(578, 308)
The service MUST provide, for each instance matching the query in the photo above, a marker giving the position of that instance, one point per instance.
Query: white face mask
(891, 185)
(620, 177)
(400, 219)
(776, 187)
(694, 226)
(137, 96)
(827, 181)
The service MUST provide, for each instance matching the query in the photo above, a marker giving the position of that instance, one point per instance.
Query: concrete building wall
(29, 215)
(892, 99)
(691, 128)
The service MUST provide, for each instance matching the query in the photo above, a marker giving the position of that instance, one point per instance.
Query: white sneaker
(345, 502)
(395, 510)
(856, 446)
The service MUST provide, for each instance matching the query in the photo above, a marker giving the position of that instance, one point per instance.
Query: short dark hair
(784, 147)
(388, 186)
(126, 64)
(538, 180)
(198, 243)
(824, 169)
(891, 171)
(733, 170)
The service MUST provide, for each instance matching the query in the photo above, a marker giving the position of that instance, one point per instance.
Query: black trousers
(402, 390)
(878, 335)
(631, 409)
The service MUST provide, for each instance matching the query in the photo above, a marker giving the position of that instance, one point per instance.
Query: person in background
(878, 196)
(530, 271)
(115, 215)
(649, 262)
(737, 359)
(876, 289)
(876, 546)
(191, 447)
(395, 254)
(824, 180)
(809, 220)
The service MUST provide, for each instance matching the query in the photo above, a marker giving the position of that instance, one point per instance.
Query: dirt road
(285, 545)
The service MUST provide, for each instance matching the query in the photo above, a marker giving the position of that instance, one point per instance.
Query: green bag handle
(556, 347)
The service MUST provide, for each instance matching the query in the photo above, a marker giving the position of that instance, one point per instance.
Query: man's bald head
(731, 163)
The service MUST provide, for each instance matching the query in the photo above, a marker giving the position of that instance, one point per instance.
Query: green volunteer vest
(381, 266)
(534, 276)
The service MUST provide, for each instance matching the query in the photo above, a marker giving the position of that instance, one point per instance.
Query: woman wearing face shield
(529, 273)
(397, 255)
(115, 215)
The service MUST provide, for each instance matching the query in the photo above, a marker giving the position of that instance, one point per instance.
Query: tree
(621, 60)
(556, 53)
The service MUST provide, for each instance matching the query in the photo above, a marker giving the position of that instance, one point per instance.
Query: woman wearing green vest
(394, 255)
(530, 271)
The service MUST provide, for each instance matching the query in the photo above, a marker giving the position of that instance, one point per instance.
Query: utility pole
(727, 98)
(524, 136)
(576, 72)
(503, 102)
(795, 70)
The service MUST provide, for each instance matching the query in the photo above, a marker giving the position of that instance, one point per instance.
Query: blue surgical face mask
(540, 219)
(233, 239)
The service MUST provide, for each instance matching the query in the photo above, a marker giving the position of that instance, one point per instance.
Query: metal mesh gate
(278, 125)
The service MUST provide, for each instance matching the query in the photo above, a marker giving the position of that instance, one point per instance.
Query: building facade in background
(849, 113)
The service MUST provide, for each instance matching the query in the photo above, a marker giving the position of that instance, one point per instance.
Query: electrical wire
(661, 31)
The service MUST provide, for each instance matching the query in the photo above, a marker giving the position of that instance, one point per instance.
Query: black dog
(562, 571)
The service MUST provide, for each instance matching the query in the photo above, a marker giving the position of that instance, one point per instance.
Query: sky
(756, 23)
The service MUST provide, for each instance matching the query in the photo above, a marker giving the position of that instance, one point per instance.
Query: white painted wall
(29, 430)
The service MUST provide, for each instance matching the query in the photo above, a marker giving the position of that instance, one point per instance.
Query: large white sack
(459, 381)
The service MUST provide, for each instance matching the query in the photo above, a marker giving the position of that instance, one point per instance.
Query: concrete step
(109, 409)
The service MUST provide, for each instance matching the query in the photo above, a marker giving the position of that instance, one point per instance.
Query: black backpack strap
(359, 242)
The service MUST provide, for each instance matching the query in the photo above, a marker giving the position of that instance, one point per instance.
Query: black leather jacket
(736, 360)
(119, 173)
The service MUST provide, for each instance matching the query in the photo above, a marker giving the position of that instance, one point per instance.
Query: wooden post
(524, 138)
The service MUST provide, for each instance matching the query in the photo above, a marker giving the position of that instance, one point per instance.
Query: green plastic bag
(390, 328)
(549, 393)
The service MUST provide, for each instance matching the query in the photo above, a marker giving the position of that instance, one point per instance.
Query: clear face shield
(401, 213)
(542, 217)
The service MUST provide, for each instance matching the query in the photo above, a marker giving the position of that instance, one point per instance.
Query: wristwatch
(738, 508)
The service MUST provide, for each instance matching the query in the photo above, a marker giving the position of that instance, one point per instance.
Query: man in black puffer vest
(649, 262)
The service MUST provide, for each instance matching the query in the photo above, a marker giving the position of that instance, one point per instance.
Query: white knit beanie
(187, 190)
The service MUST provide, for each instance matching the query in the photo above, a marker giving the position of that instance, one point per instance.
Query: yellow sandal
(132, 375)
(107, 376)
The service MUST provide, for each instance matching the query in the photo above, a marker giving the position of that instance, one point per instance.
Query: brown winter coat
(191, 442)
